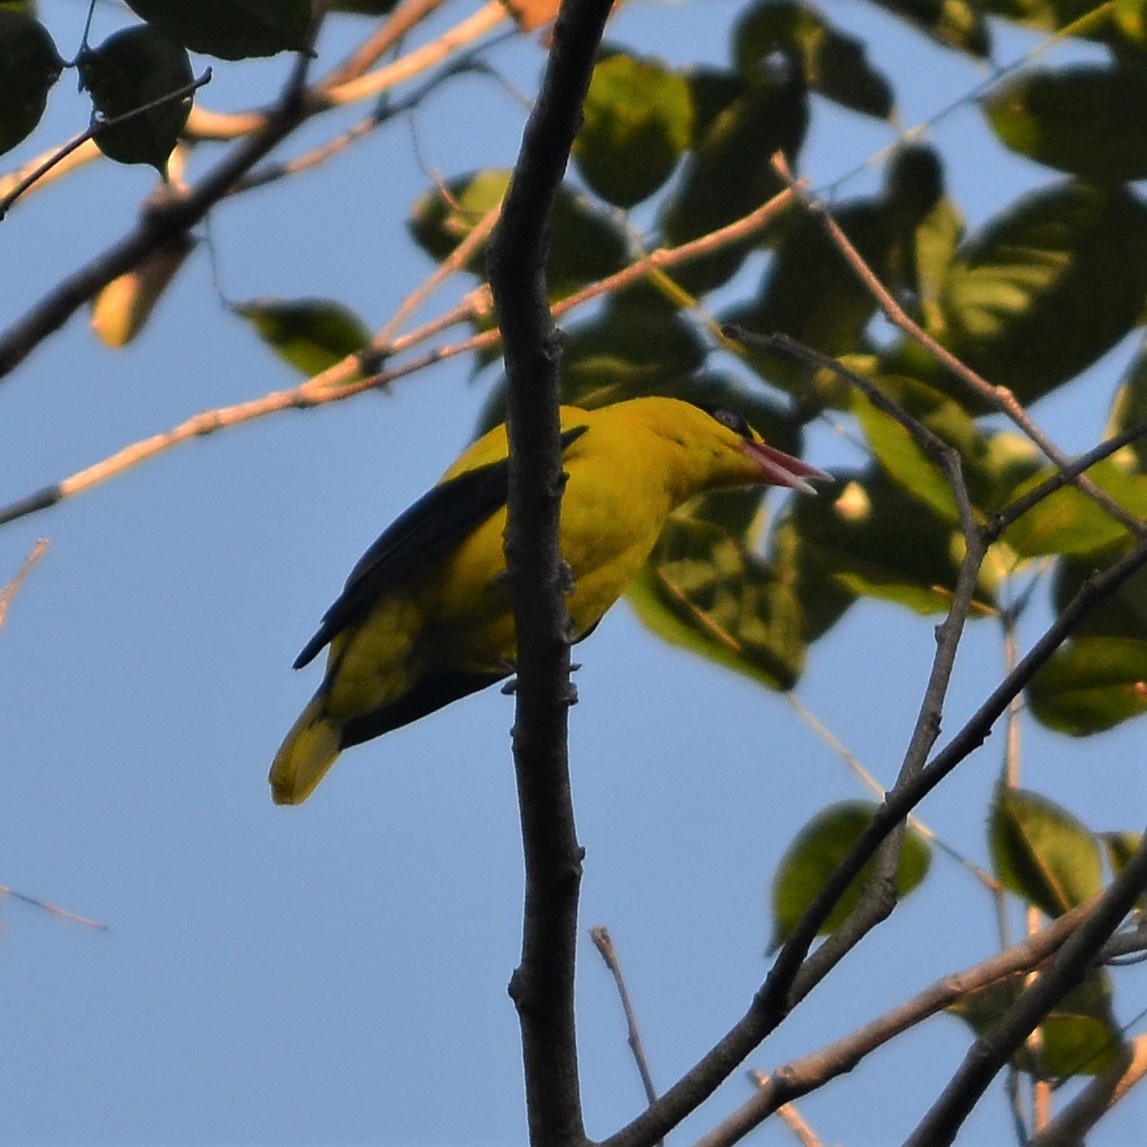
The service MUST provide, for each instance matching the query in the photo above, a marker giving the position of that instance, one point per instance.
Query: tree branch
(813, 1071)
(543, 984)
(992, 1050)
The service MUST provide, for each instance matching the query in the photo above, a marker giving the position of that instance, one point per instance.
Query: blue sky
(337, 973)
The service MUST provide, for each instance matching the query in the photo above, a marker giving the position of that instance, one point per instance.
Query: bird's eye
(732, 420)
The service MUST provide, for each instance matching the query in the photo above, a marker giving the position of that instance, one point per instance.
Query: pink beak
(781, 469)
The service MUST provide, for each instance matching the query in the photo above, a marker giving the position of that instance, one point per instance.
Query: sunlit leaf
(1091, 684)
(1041, 852)
(1047, 287)
(122, 308)
(818, 848)
(1069, 522)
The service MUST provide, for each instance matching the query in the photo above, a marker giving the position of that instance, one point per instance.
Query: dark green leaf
(231, 29)
(1048, 287)
(729, 173)
(1075, 119)
(1079, 1036)
(29, 66)
(1041, 852)
(818, 848)
(702, 590)
(1129, 409)
(311, 334)
(637, 120)
(1119, 614)
(639, 344)
(585, 245)
(834, 64)
(129, 70)
(853, 538)
(1090, 685)
(811, 294)
(954, 23)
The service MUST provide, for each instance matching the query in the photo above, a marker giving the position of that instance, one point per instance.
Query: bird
(426, 616)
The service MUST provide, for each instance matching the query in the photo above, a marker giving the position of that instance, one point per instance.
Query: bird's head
(772, 467)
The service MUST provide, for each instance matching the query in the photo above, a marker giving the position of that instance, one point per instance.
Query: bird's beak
(781, 469)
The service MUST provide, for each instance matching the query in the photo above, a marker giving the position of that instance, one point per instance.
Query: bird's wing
(433, 526)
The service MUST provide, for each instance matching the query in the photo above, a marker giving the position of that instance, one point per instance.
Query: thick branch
(543, 984)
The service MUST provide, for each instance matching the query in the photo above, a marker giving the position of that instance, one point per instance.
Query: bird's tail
(310, 748)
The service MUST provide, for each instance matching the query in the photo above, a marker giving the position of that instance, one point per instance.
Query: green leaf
(1041, 852)
(954, 23)
(1079, 1036)
(1074, 119)
(1069, 522)
(637, 121)
(854, 535)
(310, 334)
(232, 29)
(639, 344)
(29, 66)
(811, 294)
(1090, 685)
(729, 173)
(703, 591)
(1131, 20)
(834, 64)
(129, 70)
(1121, 847)
(993, 464)
(818, 848)
(1122, 613)
(585, 245)
(1048, 287)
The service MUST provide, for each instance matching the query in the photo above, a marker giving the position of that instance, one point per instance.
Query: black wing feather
(433, 526)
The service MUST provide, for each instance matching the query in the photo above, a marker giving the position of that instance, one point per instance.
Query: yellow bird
(426, 617)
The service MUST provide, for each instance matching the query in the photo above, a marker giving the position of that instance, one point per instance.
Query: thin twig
(603, 942)
(993, 1049)
(801, 1076)
(792, 1118)
(877, 789)
(54, 909)
(344, 380)
(13, 587)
